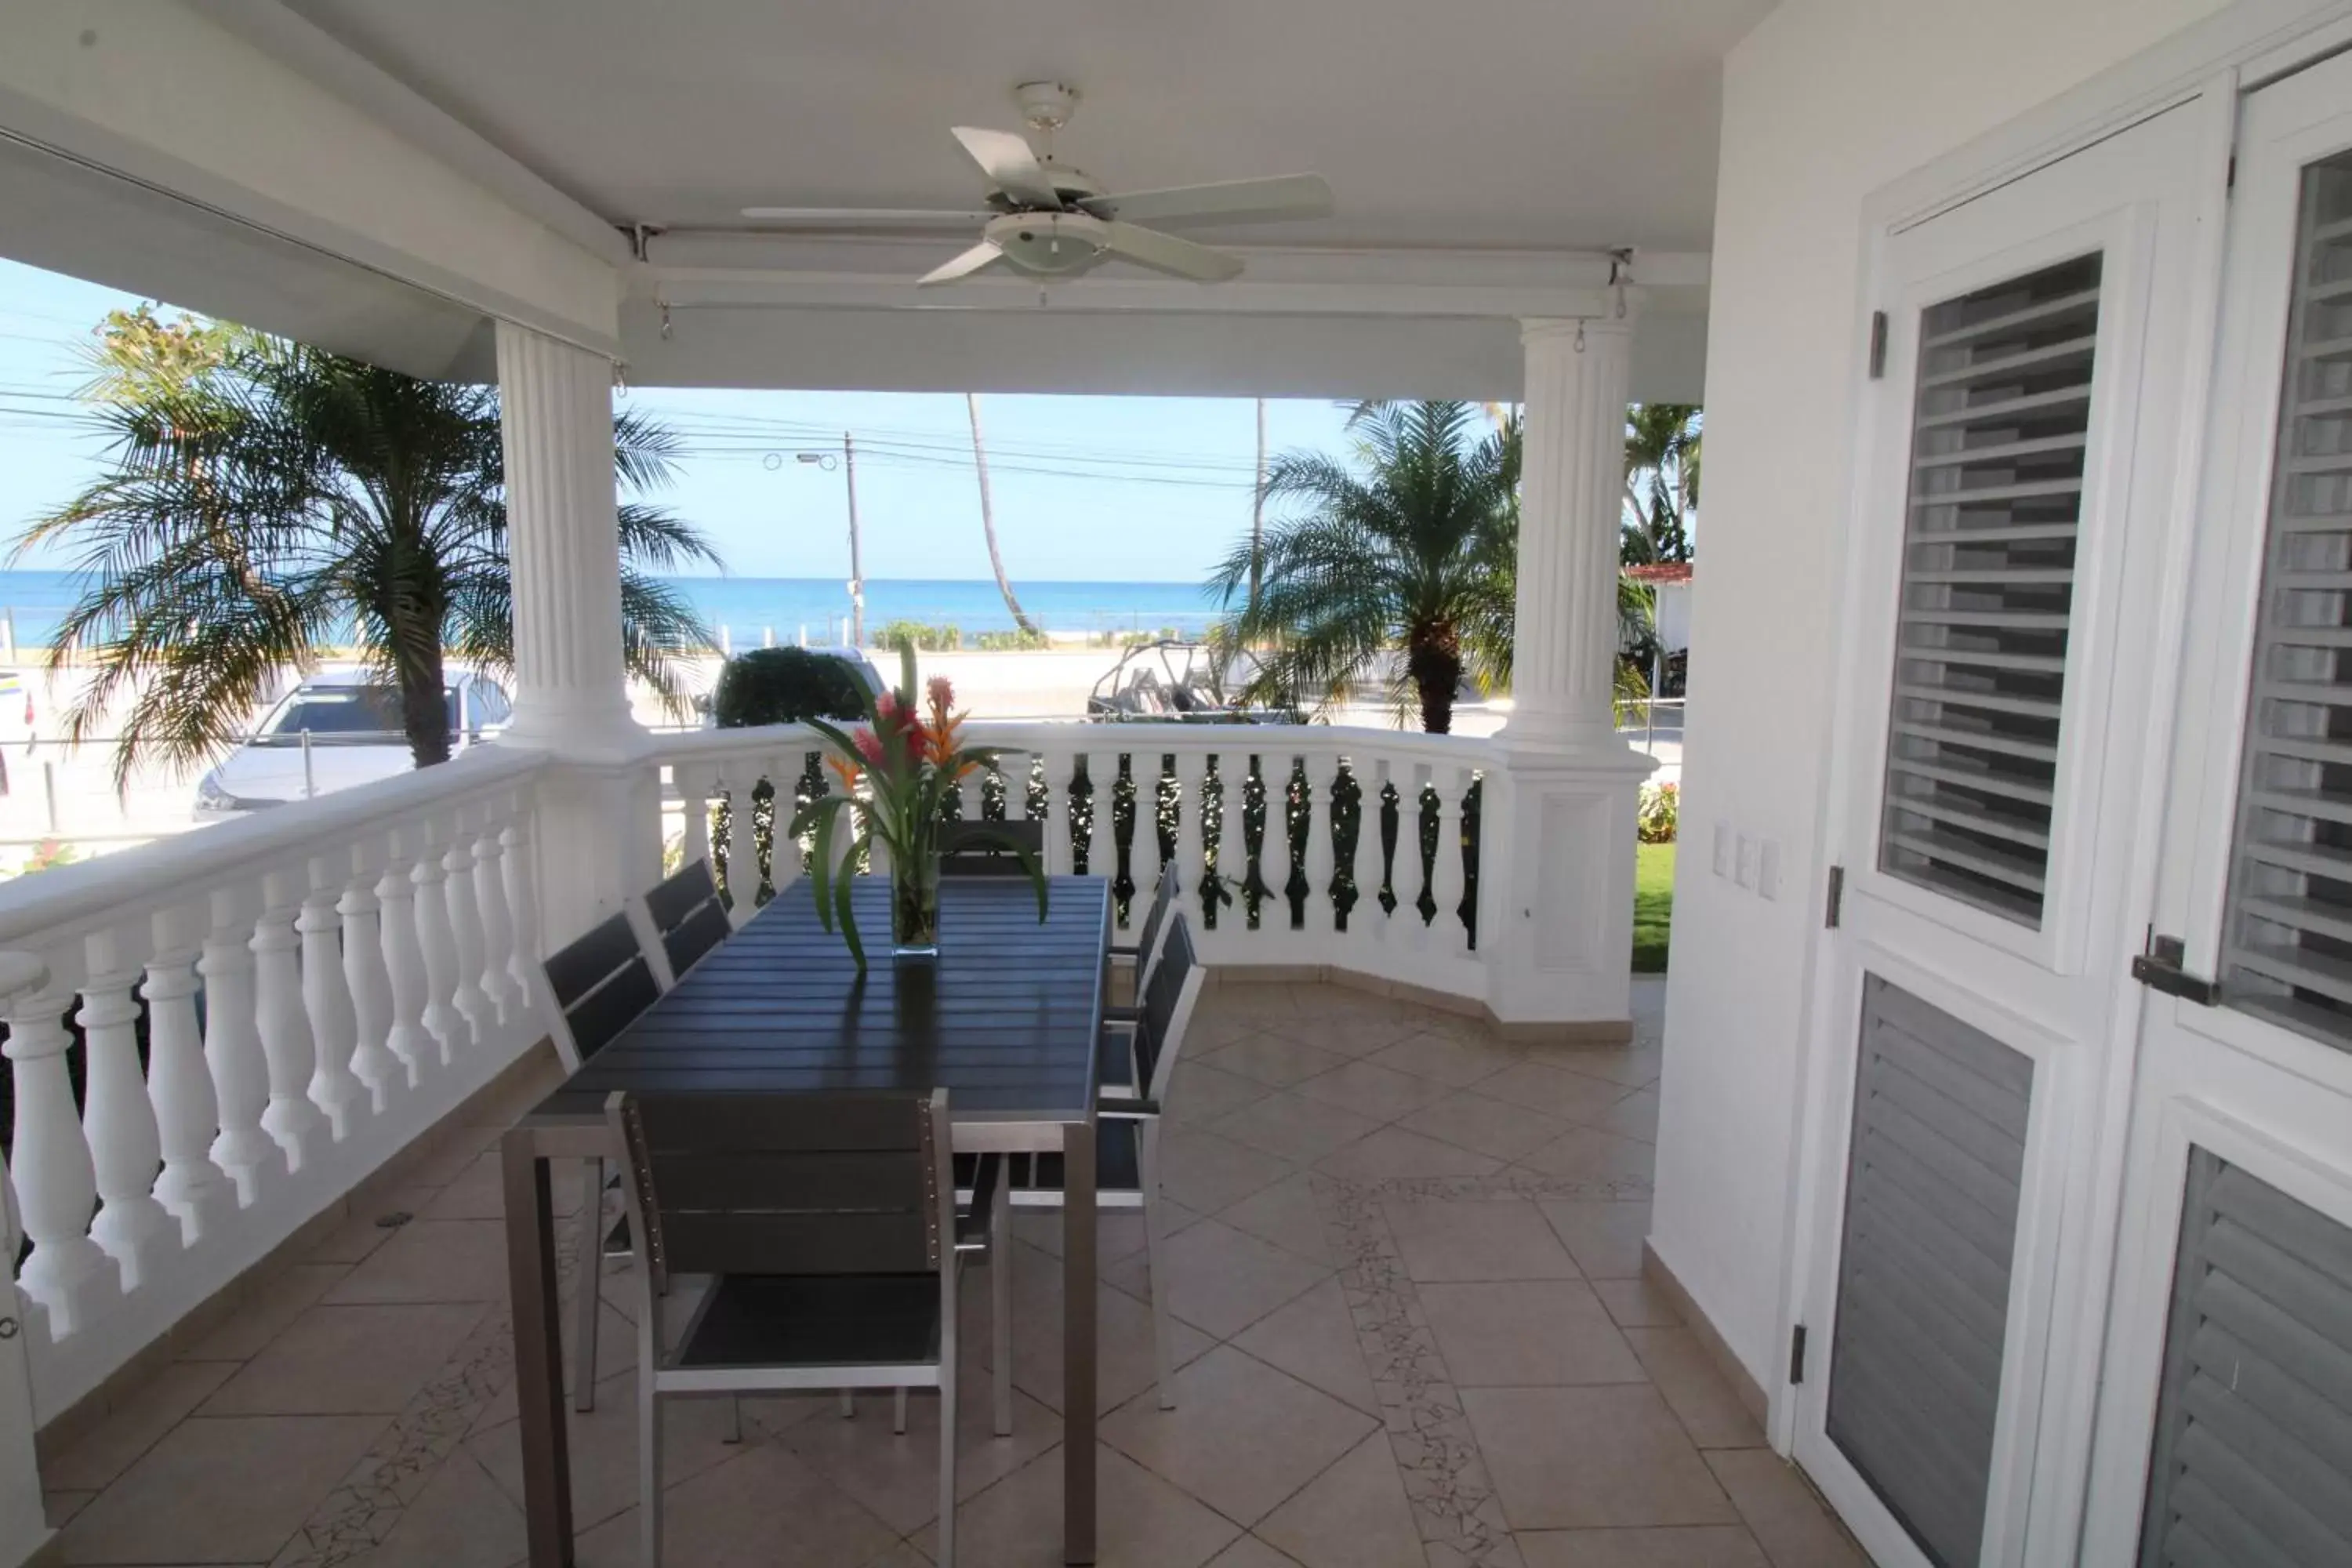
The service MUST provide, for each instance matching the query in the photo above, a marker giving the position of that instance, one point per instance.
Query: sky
(1086, 488)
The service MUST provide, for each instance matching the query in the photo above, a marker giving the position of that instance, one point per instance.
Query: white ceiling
(1526, 123)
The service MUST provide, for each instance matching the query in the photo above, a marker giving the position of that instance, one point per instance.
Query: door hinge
(1797, 1353)
(2159, 968)
(1877, 345)
(1836, 903)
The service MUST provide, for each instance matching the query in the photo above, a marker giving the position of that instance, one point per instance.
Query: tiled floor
(1406, 1265)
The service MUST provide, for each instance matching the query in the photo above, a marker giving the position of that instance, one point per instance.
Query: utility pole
(1257, 513)
(856, 571)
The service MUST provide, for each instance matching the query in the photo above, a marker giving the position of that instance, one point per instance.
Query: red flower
(943, 693)
(886, 706)
(869, 746)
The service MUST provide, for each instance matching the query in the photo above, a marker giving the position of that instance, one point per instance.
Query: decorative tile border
(1445, 1479)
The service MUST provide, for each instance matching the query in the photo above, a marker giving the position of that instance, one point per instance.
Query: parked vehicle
(336, 728)
(1177, 682)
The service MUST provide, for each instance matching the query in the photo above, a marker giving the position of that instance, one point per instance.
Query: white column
(1571, 493)
(188, 1114)
(562, 547)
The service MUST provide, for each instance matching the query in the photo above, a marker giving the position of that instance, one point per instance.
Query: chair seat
(852, 1320)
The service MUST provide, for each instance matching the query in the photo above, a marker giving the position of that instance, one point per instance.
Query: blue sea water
(750, 608)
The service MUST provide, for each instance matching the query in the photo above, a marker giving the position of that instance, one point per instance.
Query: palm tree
(987, 523)
(267, 501)
(1411, 546)
(1662, 468)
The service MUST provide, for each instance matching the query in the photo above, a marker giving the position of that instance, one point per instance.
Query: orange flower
(847, 771)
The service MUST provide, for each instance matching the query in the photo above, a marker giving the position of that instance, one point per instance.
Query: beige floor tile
(57, 1508)
(616, 1353)
(1691, 1546)
(1505, 1239)
(897, 1477)
(1287, 1215)
(1605, 1239)
(1144, 1523)
(358, 1238)
(480, 1191)
(1587, 1154)
(1220, 1280)
(1293, 1127)
(1788, 1521)
(1239, 997)
(1243, 1436)
(460, 1519)
(432, 1260)
(1314, 1340)
(1637, 1304)
(604, 1448)
(1348, 1033)
(1249, 1552)
(1123, 1367)
(902, 1554)
(762, 1509)
(220, 1490)
(1198, 1093)
(1523, 1334)
(1709, 1411)
(1271, 1059)
(1206, 1172)
(1119, 1234)
(1568, 1096)
(1393, 1151)
(347, 1361)
(1487, 1125)
(1353, 1515)
(1634, 1066)
(446, 1153)
(1381, 1093)
(1636, 1116)
(266, 1311)
(1582, 1459)
(1452, 1060)
(137, 1424)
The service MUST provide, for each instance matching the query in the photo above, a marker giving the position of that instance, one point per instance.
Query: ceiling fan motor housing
(1048, 242)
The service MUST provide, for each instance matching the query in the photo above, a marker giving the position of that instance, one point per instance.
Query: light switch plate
(1723, 849)
(1748, 856)
(1768, 869)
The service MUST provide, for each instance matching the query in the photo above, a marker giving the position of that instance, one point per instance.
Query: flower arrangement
(895, 770)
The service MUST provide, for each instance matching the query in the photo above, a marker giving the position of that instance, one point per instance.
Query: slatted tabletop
(1006, 1020)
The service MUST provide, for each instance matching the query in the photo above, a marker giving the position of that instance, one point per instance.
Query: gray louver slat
(1939, 1122)
(2000, 424)
(2253, 1457)
(2287, 955)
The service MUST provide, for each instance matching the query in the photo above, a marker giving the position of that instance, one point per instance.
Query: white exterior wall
(1826, 101)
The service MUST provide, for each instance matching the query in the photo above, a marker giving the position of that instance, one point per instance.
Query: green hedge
(785, 685)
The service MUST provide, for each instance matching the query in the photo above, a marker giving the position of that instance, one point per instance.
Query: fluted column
(562, 547)
(1572, 492)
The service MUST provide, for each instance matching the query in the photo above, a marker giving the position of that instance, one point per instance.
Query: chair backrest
(600, 983)
(688, 916)
(1168, 998)
(801, 1184)
(1147, 936)
(978, 848)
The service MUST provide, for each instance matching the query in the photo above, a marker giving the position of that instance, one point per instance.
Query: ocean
(750, 608)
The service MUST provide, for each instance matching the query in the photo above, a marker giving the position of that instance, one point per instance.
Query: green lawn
(1654, 905)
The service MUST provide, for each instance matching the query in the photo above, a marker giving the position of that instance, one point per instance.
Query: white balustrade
(1447, 933)
(233, 1048)
(117, 1116)
(407, 1038)
(466, 932)
(736, 862)
(1367, 922)
(433, 940)
(57, 1184)
(519, 866)
(278, 1011)
(192, 1189)
(1274, 865)
(1192, 837)
(1322, 772)
(367, 976)
(335, 1088)
(498, 930)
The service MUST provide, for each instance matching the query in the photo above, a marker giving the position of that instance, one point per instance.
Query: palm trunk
(424, 707)
(988, 520)
(1433, 660)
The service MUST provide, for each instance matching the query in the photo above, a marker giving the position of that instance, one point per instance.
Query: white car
(355, 737)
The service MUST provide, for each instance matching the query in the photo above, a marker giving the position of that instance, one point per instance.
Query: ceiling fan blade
(1166, 253)
(1007, 160)
(978, 258)
(867, 217)
(1269, 200)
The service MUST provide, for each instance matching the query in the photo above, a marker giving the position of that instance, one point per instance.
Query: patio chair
(688, 916)
(1138, 959)
(601, 984)
(828, 1225)
(1127, 1134)
(978, 848)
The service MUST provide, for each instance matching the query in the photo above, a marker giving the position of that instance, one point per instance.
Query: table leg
(1080, 1344)
(538, 1352)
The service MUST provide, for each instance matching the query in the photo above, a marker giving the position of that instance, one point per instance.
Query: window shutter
(1999, 423)
(2289, 929)
(2253, 1457)
(1939, 1119)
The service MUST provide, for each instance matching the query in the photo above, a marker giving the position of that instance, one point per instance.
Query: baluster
(1073, 764)
(1414, 880)
(1192, 833)
(406, 1037)
(738, 861)
(1366, 920)
(466, 930)
(1447, 930)
(49, 1161)
(693, 804)
(519, 866)
(335, 1088)
(497, 928)
(447, 1025)
(1322, 774)
(367, 975)
(784, 857)
(1054, 823)
(117, 1117)
(192, 1188)
(284, 1024)
(1276, 865)
(233, 1049)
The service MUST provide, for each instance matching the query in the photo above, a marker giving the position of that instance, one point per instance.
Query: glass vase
(914, 910)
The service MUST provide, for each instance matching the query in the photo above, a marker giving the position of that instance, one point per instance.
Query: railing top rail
(1040, 734)
(39, 911)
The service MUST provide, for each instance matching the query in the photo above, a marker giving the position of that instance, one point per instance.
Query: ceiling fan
(1050, 219)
